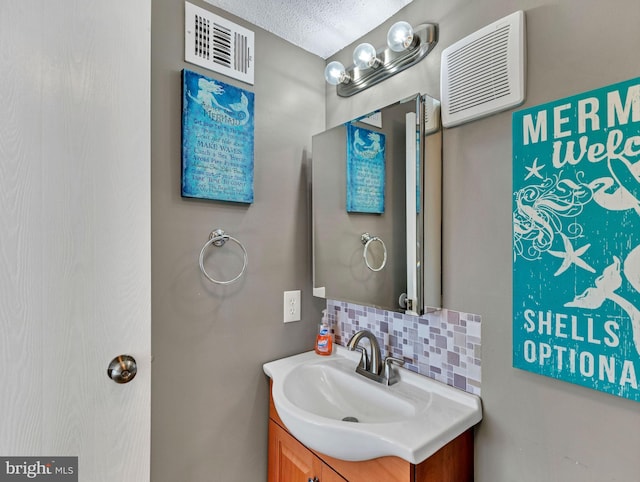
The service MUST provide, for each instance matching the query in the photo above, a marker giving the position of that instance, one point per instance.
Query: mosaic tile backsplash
(444, 345)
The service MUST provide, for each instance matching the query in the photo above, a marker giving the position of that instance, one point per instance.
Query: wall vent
(484, 73)
(217, 44)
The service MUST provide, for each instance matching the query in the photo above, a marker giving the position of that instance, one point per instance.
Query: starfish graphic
(571, 256)
(534, 170)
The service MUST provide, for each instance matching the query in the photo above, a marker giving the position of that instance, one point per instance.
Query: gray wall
(534, 429)
(209, 395)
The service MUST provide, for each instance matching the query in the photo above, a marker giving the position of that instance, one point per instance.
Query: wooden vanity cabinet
(291, 461)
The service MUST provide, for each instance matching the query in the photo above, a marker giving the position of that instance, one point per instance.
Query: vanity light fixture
(406, 46)
(335, 73)
(400, 36)
(364, 57)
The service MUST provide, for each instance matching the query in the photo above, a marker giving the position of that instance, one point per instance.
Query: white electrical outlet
(291, 306)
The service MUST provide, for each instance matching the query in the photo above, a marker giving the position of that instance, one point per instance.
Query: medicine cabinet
(376, 194)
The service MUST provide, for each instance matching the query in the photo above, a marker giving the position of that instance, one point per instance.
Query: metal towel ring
(367, 239)
(217, 238)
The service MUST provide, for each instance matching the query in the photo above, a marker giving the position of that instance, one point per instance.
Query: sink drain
(350, 419)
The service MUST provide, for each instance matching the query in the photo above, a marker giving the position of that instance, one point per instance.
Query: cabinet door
(289, 460)
(330, 475)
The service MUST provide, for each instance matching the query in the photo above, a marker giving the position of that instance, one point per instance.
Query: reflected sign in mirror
(369, 248)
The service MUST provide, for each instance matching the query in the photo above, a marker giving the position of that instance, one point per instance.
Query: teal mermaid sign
(576, 239)
(217, 140)
(365, 170)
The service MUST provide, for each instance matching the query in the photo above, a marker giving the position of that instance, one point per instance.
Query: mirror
(376, 195)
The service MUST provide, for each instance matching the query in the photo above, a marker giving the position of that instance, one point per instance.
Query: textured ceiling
(322, 27)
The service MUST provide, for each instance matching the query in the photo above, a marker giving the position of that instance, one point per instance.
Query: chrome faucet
(372, 367)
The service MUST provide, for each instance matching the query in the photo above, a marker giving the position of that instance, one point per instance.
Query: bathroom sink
(330, 408)
(334, 393)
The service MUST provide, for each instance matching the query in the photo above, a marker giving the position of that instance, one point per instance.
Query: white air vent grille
(218, 44)
(484, 72)
(485, 64)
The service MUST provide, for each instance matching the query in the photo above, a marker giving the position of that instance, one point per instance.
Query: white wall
(534, 429)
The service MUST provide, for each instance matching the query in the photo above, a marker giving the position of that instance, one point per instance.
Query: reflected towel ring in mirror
(218, 238)
(367, 239)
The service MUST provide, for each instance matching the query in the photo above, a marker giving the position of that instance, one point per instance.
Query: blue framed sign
(217, 140)
(576, 239)
(365, 170)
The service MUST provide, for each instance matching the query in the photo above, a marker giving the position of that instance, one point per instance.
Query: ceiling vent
(484, 73)
(217, 44)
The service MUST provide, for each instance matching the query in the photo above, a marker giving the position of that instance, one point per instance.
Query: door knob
(122, 369)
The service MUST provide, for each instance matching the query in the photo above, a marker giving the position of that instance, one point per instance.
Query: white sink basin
(320, 398)
(330, 390)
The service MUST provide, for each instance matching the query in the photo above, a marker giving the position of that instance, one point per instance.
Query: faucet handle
(390, 374)
(364, 358)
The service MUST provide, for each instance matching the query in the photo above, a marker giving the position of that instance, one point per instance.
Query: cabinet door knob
(315, 479)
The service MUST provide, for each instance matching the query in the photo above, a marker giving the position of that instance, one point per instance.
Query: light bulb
(400, 36)
(335, 73)
(364, 56)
